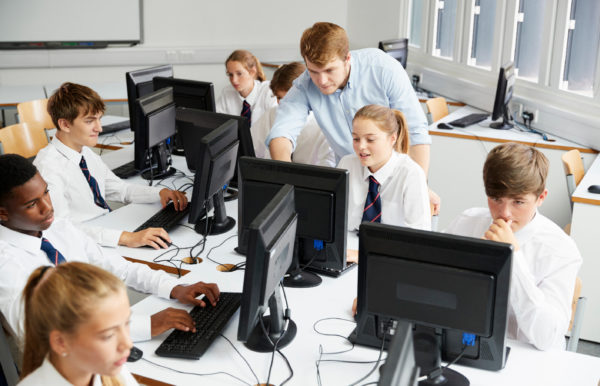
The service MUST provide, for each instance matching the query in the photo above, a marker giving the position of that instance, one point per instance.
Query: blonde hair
(285, 75)
(513, 169)
(324, 42)
(249, 62)
(62, 300)
(72, 99)
(388, 120)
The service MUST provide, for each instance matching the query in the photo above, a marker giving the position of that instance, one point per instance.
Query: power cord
(244, 359)
(385, 332)
(198, 374)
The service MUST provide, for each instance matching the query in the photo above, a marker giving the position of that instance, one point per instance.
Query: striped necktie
(54, 255)
(98, 199)
(246, 111)
(372, 211)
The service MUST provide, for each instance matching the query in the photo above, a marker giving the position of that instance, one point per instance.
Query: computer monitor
(155, 117)
(446, 285)
(504, 92)
(271, 236)
(400, 368)
(322, 206)
(139, 84)
(396, 48)
(187, 93)
(215, 162)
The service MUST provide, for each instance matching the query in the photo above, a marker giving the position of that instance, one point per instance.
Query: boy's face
(520, 209)
(83, 131)
(330, 77)
(29, 208)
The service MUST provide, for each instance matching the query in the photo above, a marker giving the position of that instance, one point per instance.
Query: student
(76, 327)
(248, 94)
(312, 147)
(31, 237)
(80, 182)
(545, 259)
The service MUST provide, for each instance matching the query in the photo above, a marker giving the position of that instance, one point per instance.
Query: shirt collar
(353, 74)
(66, 151)
(20, 240)
(251, 98)
(383, 174)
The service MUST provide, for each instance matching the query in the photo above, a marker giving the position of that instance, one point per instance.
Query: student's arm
(12, 281)
(280, 149)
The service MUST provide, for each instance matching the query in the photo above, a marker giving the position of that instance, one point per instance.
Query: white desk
(333, 298)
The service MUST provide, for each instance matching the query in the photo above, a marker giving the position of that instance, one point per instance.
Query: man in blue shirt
(338, 83)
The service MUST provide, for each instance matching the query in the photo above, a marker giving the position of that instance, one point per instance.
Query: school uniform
(311, 148)
(72, 196)
(403, 192)
(47, 374)
(21, 254)
(542, 280)
(260, 99)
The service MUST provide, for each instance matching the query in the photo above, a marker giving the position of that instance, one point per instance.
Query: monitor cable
(385, 333)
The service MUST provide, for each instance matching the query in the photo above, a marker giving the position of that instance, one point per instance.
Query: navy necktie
(98, 199)
(372, 211)
(54, 255)
(246, 111)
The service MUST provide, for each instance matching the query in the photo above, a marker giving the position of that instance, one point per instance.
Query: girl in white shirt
(76, 327)
(380, 140)
(249, 93)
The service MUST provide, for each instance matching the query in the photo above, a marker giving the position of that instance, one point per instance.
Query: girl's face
(372, 145)
(241, 79)
(101, 345)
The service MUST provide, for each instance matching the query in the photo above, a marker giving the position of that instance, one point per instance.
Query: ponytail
(403, 141)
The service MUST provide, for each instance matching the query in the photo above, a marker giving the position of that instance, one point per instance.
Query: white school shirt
(311, 145)
(260, 99)
(72, 196)
(46, 374)
(542, 280)
(21, 254)
(403, 190)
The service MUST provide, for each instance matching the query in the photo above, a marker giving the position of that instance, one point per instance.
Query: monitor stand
(505, 124)
(427, 343)
(297, 277)
(219, 222)
(274, 323)
(162, 168)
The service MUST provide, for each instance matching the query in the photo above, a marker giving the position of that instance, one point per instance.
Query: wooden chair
(437, 108)
(35, 113)
(573, 166)
(578, 308)
(22, 139)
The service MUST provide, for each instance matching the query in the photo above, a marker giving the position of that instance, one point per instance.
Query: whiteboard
(40, 21)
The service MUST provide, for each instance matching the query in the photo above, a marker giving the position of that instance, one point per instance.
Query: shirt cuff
(166, 286)
(110, 237)
(140, 327)
(420, 138)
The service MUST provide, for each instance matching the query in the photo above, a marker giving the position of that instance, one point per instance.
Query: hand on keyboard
(179, 199)
(171, 318)
(187, 294)
(156, 238)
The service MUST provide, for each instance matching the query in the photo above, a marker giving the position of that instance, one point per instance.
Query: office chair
(22, 139)
(35, 113)
(573, 165)
(578, 308)
(437, 108)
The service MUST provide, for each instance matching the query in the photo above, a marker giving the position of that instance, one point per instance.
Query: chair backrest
(573, 165)
(22, 139)
(437, 107)
(35, 112)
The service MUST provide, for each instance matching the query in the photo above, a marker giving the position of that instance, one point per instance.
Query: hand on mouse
(171, 318)
(153, 237)
(187, 294)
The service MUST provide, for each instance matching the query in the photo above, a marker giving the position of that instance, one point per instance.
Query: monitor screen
(396, 48)
(139, 84)
(271, 244)
(504, 92)
(446, 285)
(321, 203)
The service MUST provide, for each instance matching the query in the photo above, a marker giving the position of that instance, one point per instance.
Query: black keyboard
(468, 120)
(165, 218)
(125, 171)
(117, 126)
(210, 321)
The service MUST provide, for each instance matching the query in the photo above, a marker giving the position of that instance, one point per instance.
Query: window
(416, 17)
(445, 25)
(528, 42)
(581, 48)
(482, 37)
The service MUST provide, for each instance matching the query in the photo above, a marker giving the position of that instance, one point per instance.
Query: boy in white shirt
(79, 180)
(545, 259)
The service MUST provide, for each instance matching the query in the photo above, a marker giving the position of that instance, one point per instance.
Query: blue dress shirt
(375, 78)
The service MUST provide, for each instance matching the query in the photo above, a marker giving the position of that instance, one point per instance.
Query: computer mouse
(444, 126)
(135, 354)
(594, 189)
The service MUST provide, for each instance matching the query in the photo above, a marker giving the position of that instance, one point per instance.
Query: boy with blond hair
(545, 259)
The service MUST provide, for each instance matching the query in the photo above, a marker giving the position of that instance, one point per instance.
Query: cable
(378, 360)
(240, 354)
(464, 349)
(198, 374)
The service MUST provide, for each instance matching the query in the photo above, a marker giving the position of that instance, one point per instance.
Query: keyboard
(468, 120)
(210, 321)
(117, 126)
(165, 218)
(125, 171)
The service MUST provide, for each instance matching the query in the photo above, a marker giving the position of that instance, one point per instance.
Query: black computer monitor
(215, 162)
(155, 117)
(271, 236)
(400, 368)
(396, 48)
(322, 206)
(504, 92)
(139, 84)
(446, 285)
